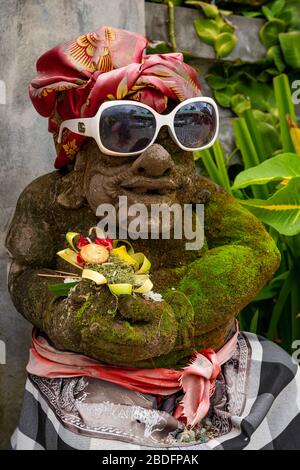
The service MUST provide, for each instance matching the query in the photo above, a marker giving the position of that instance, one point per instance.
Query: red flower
(82, 241)
(80, 260)
(107, 242)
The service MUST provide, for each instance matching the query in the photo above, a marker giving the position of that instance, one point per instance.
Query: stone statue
(211, 286)
(203, 290)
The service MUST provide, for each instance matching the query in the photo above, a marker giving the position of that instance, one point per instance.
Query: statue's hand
(121, 330)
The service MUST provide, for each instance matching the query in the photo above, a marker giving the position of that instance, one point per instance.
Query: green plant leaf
(251, 14)
(270, 137)
(61, 290)
(274, 54)
(224, 96)
(290, 46)
(207, 30)
(158, 47)
(282, 167)
(281, 211)
(216, 82)
(224, 44)
(210, 11)
(269, 32)
(265, 117)
(271, 289)
(268, 13)
(285, 108)
(277, 7)
(254, 322)
(239, 103)
(291, 14)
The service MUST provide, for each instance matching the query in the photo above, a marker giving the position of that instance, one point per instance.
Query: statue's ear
(71, 194)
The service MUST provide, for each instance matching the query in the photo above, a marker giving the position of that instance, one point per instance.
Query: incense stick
(53, 275)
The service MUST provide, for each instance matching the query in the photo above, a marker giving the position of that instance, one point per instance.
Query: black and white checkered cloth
(256, 406)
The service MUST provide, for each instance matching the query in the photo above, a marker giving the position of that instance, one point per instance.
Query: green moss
(83, 308)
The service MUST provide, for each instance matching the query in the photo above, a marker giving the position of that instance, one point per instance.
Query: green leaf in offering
(281, 211)
(290, 46)
(61, 290)
(282, 167)
(270, 31)
(224, 44)
(207, 30)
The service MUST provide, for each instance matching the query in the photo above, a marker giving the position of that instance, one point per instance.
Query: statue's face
(161, 174)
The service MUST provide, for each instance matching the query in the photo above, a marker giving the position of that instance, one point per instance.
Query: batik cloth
(75, 78)
(256, 405)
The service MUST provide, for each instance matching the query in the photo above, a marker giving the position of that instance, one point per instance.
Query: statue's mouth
(149, 186)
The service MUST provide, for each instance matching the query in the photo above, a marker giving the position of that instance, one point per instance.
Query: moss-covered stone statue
(203, 290)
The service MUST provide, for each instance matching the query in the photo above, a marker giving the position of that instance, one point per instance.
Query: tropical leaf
(281, 211)
(282, 167)
(207, 30)
(272, 288)
(239, 103)
(277, 7)
(224, 96)
(254, 322)
(275, 55)
(210, 11)
(224, 44)
(290, 46)
(270, 31)
(270, 137)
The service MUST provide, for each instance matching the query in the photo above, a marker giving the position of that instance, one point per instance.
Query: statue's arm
(241, 258)
(89, 320)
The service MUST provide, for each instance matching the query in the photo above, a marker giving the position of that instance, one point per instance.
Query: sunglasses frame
(90, 127)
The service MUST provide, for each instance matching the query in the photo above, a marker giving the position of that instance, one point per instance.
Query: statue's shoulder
(30, 229)
(210, 185)
(41, 190)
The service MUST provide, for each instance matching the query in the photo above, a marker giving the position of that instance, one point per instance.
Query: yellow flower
(71, 149)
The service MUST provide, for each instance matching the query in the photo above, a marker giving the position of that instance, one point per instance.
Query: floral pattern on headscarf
(75, 78)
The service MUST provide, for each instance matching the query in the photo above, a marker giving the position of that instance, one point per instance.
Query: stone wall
(27, 29)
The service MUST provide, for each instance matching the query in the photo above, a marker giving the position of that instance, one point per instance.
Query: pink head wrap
(75, 78)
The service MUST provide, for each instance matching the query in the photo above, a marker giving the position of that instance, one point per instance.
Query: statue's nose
(153, 162)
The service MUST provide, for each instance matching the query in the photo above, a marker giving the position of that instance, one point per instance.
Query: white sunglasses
(126, 127)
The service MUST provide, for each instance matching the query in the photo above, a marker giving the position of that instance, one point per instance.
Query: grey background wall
(27, 29)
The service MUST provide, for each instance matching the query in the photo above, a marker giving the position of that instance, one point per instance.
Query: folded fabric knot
(198, 383)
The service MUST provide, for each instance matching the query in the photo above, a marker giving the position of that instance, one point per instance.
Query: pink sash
(197, 380)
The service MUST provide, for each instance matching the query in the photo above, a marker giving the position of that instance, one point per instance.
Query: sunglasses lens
(195, 124)
(127, 128)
